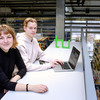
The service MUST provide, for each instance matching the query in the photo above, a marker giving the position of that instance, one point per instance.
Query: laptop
(71, 63)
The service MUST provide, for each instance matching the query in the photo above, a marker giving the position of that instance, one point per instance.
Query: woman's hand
(38, 88)
(5, 91)
(15, 78)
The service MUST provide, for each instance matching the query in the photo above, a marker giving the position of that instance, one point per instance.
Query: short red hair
(5, 29)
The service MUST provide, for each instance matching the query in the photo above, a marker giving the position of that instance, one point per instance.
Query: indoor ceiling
(24, 8)
(47, 8)
(82, 8)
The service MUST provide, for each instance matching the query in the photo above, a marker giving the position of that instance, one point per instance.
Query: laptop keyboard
(65, 66)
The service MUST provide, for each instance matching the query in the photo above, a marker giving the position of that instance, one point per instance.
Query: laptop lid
(74, 57)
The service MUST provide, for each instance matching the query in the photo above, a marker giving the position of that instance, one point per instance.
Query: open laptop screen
(74, 57)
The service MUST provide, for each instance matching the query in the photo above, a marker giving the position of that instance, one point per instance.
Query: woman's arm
(20, 64)
(35, 88)
(5, 82)
(8, 85)
(22, 70)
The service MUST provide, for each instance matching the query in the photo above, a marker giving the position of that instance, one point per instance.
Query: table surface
(61, 85)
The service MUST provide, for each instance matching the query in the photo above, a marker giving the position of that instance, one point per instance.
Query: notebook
(71, 63)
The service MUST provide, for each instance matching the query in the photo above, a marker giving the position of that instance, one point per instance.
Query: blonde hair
(8, 30)
(29, 19)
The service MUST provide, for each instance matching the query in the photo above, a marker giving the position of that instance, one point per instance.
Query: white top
(61, 85)
(30, 52)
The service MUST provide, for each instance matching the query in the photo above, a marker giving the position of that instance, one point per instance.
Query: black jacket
(7, 64)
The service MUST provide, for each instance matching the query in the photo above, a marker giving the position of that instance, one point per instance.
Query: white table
(62, 85)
